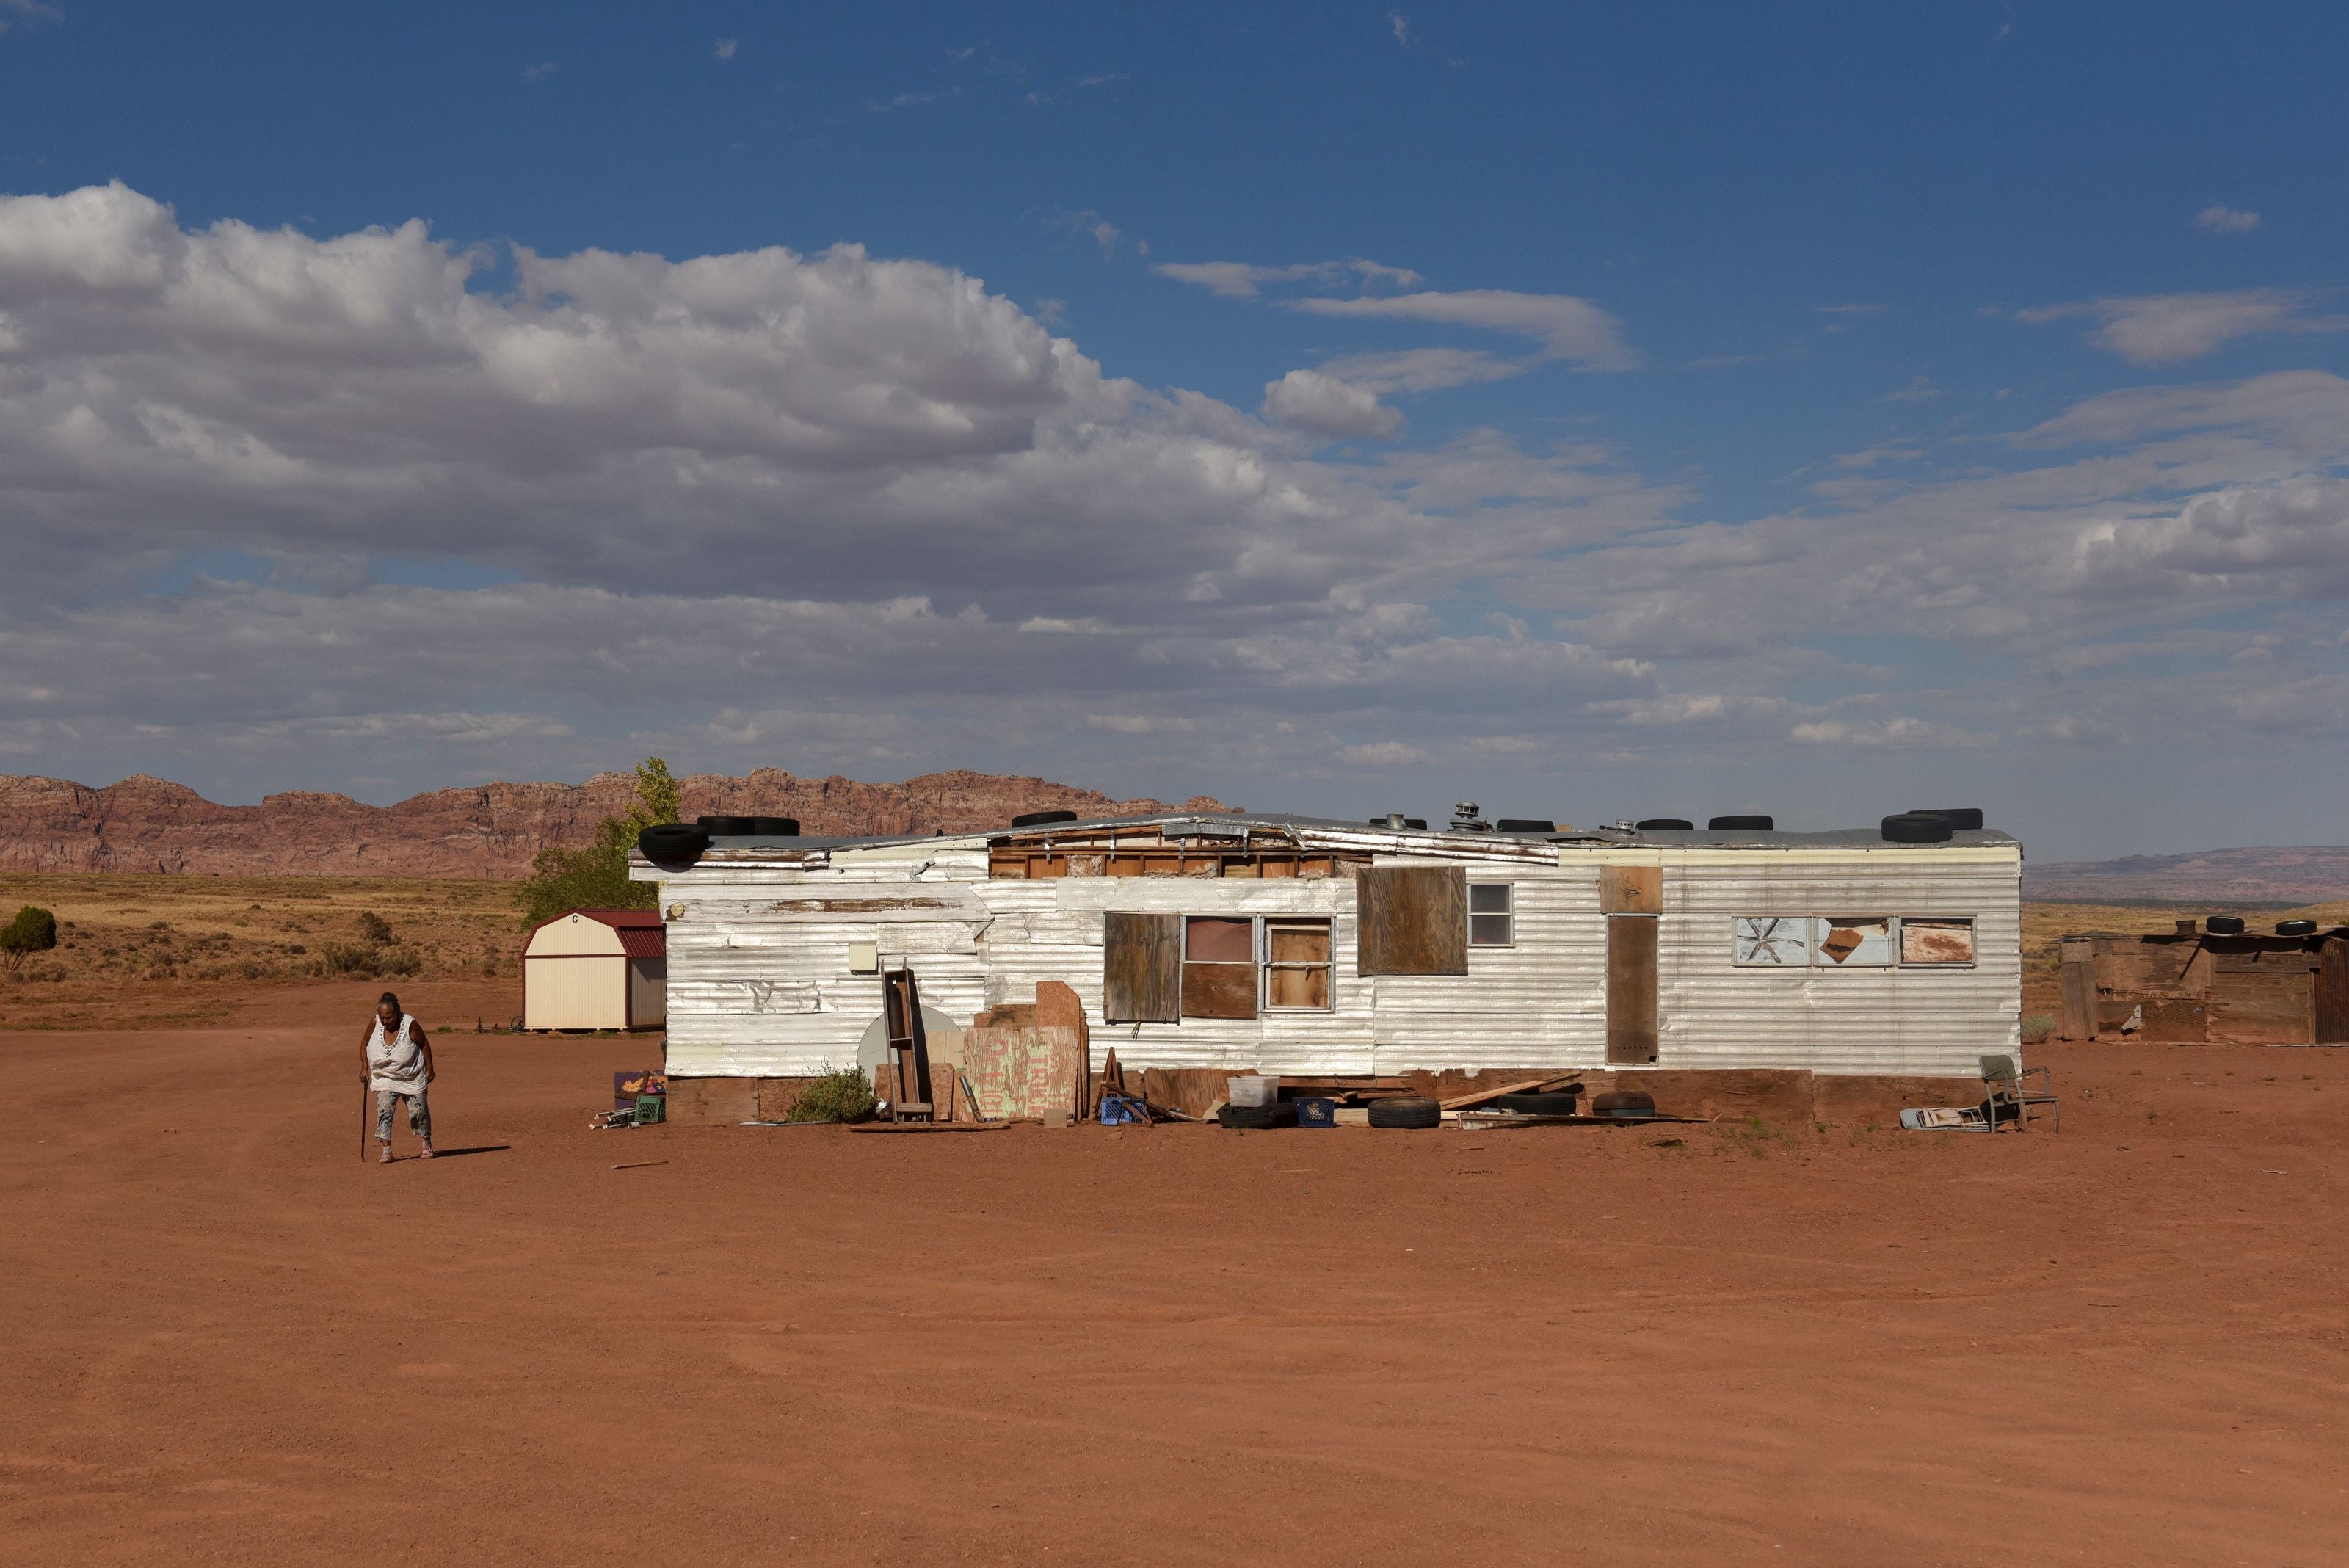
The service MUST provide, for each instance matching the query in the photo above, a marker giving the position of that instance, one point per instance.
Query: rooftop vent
(1042, 818)
(1467, 818)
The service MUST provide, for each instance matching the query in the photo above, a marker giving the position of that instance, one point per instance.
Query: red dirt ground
(229, 1339)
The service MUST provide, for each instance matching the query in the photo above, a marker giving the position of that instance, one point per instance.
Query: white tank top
(395, 1064)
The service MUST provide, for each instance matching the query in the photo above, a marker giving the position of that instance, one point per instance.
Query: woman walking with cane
(396, 1062)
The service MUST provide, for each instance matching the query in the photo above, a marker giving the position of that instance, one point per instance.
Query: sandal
(425, 1153)
(386, 1157)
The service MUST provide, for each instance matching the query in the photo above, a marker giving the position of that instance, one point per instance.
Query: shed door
(1142, 968)
(2333, 992)
(1630, 988)
(1412, 919)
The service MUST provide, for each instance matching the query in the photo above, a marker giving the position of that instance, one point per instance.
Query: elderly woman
(397, 1062)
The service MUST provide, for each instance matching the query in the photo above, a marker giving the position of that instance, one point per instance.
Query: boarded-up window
(1219, 971)
(1770, 939)
(1854, 941)
(1296, 963)
(1937, 941)
(1413, 920)
(1142, 968)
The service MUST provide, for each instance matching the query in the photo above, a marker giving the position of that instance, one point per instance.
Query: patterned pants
(419, 1115)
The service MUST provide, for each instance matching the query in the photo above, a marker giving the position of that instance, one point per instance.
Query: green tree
(34, 931)
(595, 876)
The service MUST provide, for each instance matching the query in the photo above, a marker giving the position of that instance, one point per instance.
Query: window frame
(1508, 915)
(1815, 962)
(1265, 963)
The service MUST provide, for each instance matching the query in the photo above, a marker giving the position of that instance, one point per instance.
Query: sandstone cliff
(152, 824)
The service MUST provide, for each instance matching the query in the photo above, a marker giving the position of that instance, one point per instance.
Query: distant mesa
(2287, 878)
(152, 824)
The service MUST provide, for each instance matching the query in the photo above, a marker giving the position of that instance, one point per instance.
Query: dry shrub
(838, 1096)
(2036, 1029)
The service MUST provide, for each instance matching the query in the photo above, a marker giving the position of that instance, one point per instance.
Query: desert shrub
(34, 931)
(840, 1096)
(2036, 1029)
(375, 931)
(398, 961)
(345, 958)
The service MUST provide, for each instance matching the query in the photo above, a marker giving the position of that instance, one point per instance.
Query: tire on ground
(1544, 1103)
(1628, 1103)
(1256, 1115)
(1406, 1111)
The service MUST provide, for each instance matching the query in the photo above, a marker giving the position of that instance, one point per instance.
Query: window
(1849, 942)
(1855, 941)
(1219, 973)
(1296, 963)
(1770, 939)
(1491, 915)
(1937, 941)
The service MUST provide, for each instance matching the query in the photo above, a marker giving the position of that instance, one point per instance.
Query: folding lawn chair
(2008, 1098)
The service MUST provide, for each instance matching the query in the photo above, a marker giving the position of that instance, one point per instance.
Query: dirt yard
(229, 1339)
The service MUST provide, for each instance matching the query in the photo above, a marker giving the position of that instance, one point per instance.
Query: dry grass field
(193, 951)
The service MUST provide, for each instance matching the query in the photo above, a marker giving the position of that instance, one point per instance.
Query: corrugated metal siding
(758, 982)
(1937, 1021)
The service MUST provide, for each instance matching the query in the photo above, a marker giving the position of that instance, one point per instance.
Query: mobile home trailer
(1313, 948)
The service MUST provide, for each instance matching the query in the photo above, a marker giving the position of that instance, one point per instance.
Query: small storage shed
(2198, 987)
(596, 969)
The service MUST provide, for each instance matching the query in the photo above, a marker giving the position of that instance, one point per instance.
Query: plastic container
(1314, 1111)
(651, 1109)
(1251, 1091)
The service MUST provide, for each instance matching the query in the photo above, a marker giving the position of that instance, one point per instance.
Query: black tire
(1547, 1103)
(1755, 823)
(775, 826)
(1624, 1103)
(1042, 818)
(1244, 1117)
(1415, 822)
(1665, 825)
(726, 827)
(2223, 925)
(1960, 816)
(1406, 1111)
(672, 844)
(1917, 828)
(2295, 928)
(1527, 825)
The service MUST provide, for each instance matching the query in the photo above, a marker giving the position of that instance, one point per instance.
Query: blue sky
(1656, 409)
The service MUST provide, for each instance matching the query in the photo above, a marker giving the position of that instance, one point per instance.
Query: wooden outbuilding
(2195, 987)
(596, 969)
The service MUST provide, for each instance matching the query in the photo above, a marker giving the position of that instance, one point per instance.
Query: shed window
(1491, 915)
(1937, 941)
(1854, 941)
(1208, 938)
(1296, 963)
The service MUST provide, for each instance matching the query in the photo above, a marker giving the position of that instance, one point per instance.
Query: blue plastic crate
(1316, 1111)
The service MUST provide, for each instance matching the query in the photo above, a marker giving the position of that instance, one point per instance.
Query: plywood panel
(2332, 1001)
(1142, 968)
(1412, 919)
(1220, 991)
(2262, 1009)
(1631, 889)
(1632, 988)
(2079, 990)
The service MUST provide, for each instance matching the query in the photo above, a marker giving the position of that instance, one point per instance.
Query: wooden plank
(2248, 1009)
(1631, 889)
(2331, 998)
(1632, 988)
(1412, 919)
(2079, 990)
(1142, 968)
(1220, 991)
(1530, 1086)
